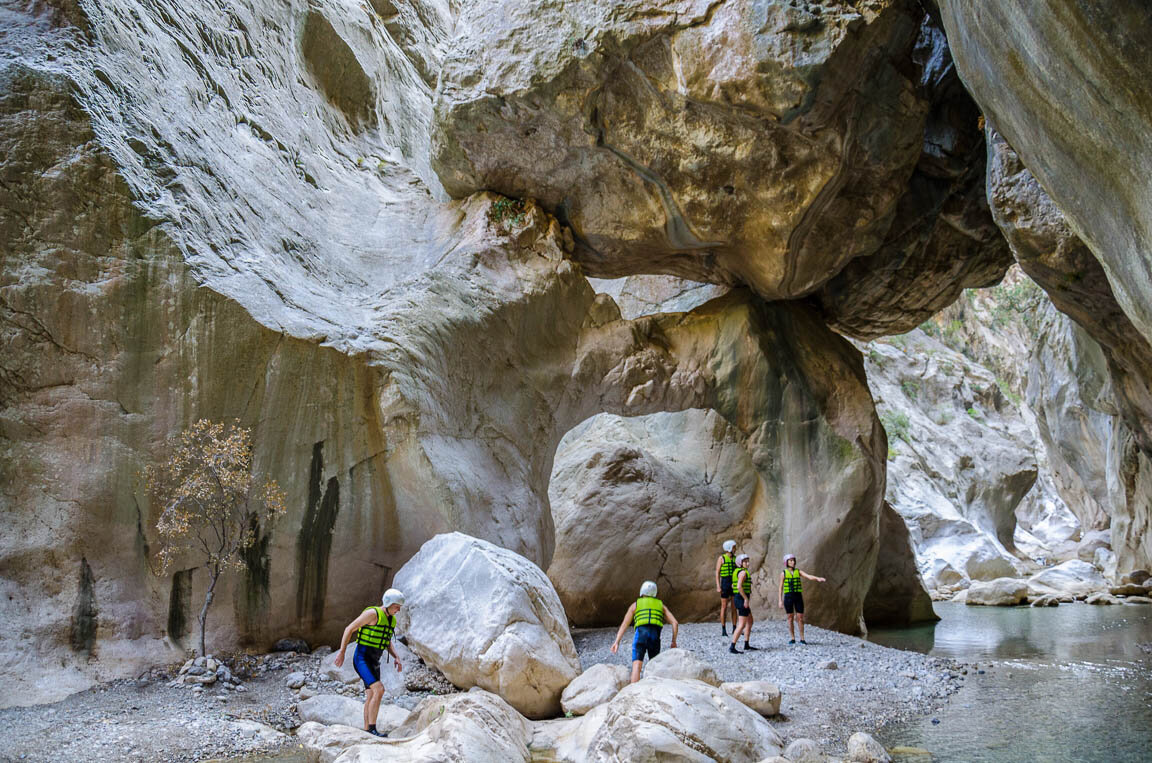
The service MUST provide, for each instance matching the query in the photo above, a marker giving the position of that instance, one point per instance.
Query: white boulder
(595, 686)
(666, 719)
(682, 665)
(485, 616)
(761, 696)
(346, 673)
(336, 710)
(1073, 578)
(1001, 592)
(804, 750)
(327, 743)
(1103, 597)
(862, 748)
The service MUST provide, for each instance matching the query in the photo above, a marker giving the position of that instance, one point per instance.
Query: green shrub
(910, 388)
(508, 211)
(896, 425)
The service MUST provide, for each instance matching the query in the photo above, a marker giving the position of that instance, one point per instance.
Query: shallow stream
(1067, 683)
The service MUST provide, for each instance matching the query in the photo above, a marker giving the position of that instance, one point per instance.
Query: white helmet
(392, 596)
(740, 559)
(729, 545)
(648, 589)
(787, 557)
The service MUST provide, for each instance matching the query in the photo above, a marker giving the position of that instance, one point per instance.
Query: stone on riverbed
(862, 748)
(804, 751)
(1138, 600)
(1102, 598)
(682, 665)
(1074, 577)
(595, 686)
(295, 680)
(1046, 601)
(1128, 589)
(761, 696)
(1001, 592)
(520, 648)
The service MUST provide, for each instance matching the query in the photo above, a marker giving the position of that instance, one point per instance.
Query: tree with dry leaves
(211, 507)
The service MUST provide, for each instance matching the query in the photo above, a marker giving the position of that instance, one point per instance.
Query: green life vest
(747, 589)
(377, 636)
(727, 566)
(791, 581)
(649, 611)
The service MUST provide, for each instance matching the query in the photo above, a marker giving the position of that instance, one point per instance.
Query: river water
(1068, 683)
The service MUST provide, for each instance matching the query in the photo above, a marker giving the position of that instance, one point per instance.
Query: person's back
(647, 615)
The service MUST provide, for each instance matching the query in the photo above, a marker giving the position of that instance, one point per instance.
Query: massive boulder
(487, 617)
(1001, 592)
(678, 720)
(595, 686)
(1071, 578)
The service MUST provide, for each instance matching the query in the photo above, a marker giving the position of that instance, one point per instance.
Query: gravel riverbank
(149, 719)
(870, 686)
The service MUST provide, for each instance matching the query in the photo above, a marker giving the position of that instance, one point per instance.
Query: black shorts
(742, 608)
(725, 588)
(794, 602)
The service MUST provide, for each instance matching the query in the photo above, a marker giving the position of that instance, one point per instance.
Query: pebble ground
(870, 686)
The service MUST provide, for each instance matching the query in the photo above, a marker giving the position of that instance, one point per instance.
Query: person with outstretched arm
(725, 564)
(372, 631)
(648, 614)
(791, 596)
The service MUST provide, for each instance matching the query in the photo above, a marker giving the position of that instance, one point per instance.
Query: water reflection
(1071, 684)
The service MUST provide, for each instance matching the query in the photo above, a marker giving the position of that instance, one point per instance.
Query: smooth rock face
(1069, 84)
(1002, 592)
(1073, 578)
(898, 597)
(635, 123)
(476, 725)
(335, 709)
(661, 718)
(761, 696)
(329, 742)
(681, 665)
(804, 751)
(487, 617)
(595, 686)
(1089, 380)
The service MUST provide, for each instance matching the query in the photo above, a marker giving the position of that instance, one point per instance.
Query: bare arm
(623, 627)
(395, 657)
(719, 561)
(367, 617)
(804, 574)
(740, 587)
(675, 625)
(780, 592)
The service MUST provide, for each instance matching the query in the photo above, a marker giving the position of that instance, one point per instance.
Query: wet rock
(1103, 598)
(1130, 589)
(1002, 592)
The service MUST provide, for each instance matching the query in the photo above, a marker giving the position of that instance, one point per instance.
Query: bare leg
(800, 618)
(792, 626)
(636, 664)
(732, 607)
(723, 613)
(372, 706)
(748, 627)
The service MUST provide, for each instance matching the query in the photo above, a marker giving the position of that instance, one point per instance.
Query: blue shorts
(647, 640)
(366, 660)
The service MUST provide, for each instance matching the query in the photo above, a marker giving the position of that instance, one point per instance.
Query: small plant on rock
(210, 505)
(910, 388)
(896, 425)
(510, 212)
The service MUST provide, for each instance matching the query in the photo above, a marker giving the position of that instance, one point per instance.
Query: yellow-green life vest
(791, 581)
(747, 589)
(649, 611)
(377, 636)
(727, 566)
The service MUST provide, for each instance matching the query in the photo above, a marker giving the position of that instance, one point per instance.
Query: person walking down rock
(648, 614)
(725, 564)
(792, 597)
(372, 631)
(741, 600)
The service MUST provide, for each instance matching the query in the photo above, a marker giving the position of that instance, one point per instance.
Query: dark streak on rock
(314, 543)
(83, 635)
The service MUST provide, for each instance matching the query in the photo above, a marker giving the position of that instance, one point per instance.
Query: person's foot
(791, 641)
(732, 648)
(723, 631)
(748, 647)
(802, 641)
(377, 733)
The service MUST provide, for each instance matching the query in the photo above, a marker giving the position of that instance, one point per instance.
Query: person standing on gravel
(648, 614)
(725, 564)
(791, 596)
(372, 631)
(741, 600)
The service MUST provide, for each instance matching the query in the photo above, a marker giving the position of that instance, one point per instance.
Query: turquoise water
(1061, 684)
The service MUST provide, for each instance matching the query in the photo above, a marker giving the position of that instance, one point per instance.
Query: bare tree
(210, 505)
